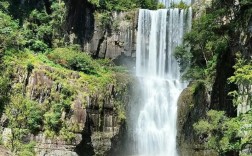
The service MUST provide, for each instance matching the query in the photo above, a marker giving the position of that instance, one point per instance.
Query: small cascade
(159, 33)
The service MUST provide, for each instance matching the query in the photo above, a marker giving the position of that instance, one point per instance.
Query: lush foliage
(243, 78)
(221, 132)
(104, 10)
(10, 37)
(32, 45)
(24, 117)
(124, 5)
(180, 5)
(225, 134)
(205, 41)
(27, 115)
(74, 60)
(41, 28)
(212, 36)
(4, 92)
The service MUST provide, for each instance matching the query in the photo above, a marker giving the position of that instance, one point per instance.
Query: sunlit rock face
(159, 33)
(93, 115)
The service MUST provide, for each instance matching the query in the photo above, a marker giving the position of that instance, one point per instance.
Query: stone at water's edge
(193, 105)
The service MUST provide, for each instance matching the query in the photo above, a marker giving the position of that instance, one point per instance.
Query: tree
(24, 117)
(221, 133)
(10, 37)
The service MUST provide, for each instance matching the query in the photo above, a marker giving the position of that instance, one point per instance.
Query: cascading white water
(159, 32)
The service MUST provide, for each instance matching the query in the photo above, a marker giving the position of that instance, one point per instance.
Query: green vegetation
(104, 10)
(225, 134)
(207, 40)
(180, 5)
(10, 37)
(211, 39)
(70, 76)
(231, 134)
(74, 60)
(243, 78)
(24, 117)
(46, 84)
(4, 92)
(41, 28)
(222, 132)
(124, 5)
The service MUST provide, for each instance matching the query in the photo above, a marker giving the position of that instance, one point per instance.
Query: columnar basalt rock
(112, 37)
(93, 115)
(117, 38)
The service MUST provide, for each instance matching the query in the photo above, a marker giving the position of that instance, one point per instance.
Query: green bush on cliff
(225, 134)
(124, 5)
(24, 117)
(52, 119)
(23, 113)
(180, 5)
(243, 78)
(74, 60)
(149, 4)
(220, 132)
(27, 149)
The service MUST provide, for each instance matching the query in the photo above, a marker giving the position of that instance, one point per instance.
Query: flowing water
(159, 32)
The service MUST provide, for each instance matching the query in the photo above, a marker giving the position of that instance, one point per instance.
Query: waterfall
(159, 32)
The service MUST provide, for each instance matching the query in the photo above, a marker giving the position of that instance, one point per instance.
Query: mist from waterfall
(159, 32)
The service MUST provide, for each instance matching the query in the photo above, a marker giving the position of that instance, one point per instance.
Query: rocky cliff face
(193, 104)
(115, 38)
(95, 115)
(103, 35)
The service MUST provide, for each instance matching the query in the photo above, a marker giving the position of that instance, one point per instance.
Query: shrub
(180, 5)
(74, 60)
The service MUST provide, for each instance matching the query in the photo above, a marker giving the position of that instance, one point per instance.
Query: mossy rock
(193, 104)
